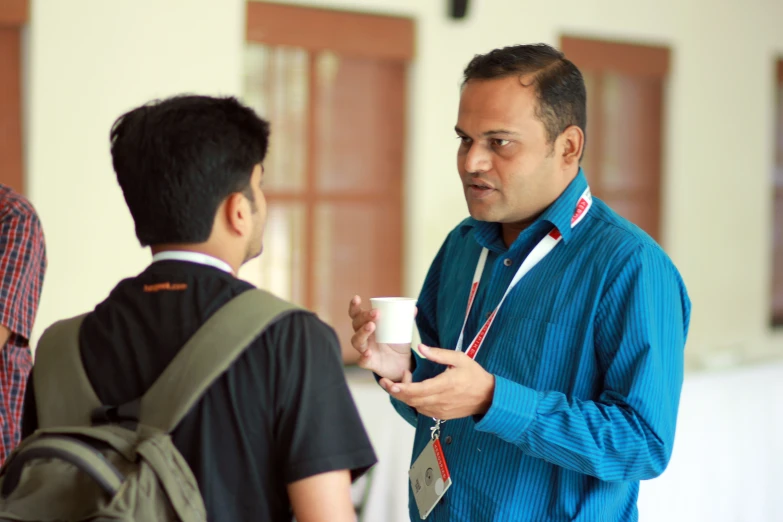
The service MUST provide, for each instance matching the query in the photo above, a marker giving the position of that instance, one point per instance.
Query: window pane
(588, 156)
(777, 272)
(638, 208)
(356, 252)
(276, 86)
(779, 139)
(359, 117)
(777, 225)
(631, 145)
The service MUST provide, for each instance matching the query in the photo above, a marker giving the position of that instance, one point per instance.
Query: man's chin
(480, 214)
(252, 256)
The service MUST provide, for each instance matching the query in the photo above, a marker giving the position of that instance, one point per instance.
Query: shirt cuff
(513, 409)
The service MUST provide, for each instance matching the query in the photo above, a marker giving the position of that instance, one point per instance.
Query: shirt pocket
(539, 354)
(512, 349)
(567, 362)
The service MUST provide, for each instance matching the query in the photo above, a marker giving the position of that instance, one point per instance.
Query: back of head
(559, 86)
(177, 159)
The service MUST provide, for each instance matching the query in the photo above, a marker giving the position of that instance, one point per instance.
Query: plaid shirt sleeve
(22, 267)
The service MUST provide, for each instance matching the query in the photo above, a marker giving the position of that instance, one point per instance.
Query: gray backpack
(79, 467)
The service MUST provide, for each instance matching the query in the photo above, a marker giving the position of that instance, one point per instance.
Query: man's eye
(499, 142)
(463, 139)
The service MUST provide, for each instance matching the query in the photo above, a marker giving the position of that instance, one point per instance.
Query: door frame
(13, 16)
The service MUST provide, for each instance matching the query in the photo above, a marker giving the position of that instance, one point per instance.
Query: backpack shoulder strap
(206, 355)
(63, 393)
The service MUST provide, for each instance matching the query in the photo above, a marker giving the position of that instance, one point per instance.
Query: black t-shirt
(281, 413)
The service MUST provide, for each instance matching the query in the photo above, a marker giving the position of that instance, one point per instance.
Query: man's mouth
(478, 189)
(481, 185)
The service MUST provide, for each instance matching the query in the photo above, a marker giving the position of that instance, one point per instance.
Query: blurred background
(685, 138)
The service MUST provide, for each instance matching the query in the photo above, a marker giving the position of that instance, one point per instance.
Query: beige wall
(89, 60)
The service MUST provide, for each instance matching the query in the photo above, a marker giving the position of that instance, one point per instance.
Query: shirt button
(487, 314)
(507, 261)
(448, 439)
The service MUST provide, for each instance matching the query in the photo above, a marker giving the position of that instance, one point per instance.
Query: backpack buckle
(125, 415)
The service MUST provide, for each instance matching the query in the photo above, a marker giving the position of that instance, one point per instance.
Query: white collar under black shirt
(192, 257)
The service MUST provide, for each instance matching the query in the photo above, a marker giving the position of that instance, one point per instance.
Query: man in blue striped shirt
(559, 388)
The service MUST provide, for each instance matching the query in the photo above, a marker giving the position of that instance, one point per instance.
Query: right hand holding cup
(383, 335)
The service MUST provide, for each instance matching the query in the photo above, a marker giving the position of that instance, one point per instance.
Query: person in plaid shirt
(22, 267)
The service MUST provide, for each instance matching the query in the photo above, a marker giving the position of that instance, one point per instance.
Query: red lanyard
(544, 247)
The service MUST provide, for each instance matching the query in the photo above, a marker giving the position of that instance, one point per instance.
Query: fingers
(445, 357)
(366, 359)
(418, 392)
(359, 317)
(423, 397)
(439, 405)
(361, 336)
(355, 306)
(386, 384)
(432, 405)
(363, 318)
(363, 325)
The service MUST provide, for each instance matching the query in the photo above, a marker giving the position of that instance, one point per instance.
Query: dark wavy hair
(177, 159)
(558, 83)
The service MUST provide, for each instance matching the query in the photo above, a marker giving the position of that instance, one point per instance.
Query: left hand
(464, 389)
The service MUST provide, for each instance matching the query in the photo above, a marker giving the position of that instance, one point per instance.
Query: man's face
(509, 169)
(255, 243)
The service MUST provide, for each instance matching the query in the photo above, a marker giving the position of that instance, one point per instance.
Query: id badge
(429, 477)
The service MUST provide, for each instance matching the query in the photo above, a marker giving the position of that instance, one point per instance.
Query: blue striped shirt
(587, 353)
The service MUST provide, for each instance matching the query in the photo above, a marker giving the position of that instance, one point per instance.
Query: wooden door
(13, 14)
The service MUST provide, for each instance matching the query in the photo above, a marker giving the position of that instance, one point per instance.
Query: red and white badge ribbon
(544, 247)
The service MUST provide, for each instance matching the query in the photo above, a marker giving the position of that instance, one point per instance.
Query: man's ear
(572, 141)
(237, 214)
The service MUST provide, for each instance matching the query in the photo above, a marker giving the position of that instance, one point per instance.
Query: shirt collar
(192, 257)
(558, 214)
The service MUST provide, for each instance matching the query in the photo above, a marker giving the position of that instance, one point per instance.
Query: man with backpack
(255, 403)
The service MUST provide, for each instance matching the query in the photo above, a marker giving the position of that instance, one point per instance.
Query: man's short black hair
(177, 159)
(559, 86)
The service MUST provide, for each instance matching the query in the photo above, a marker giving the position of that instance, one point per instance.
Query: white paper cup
(395, 324)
